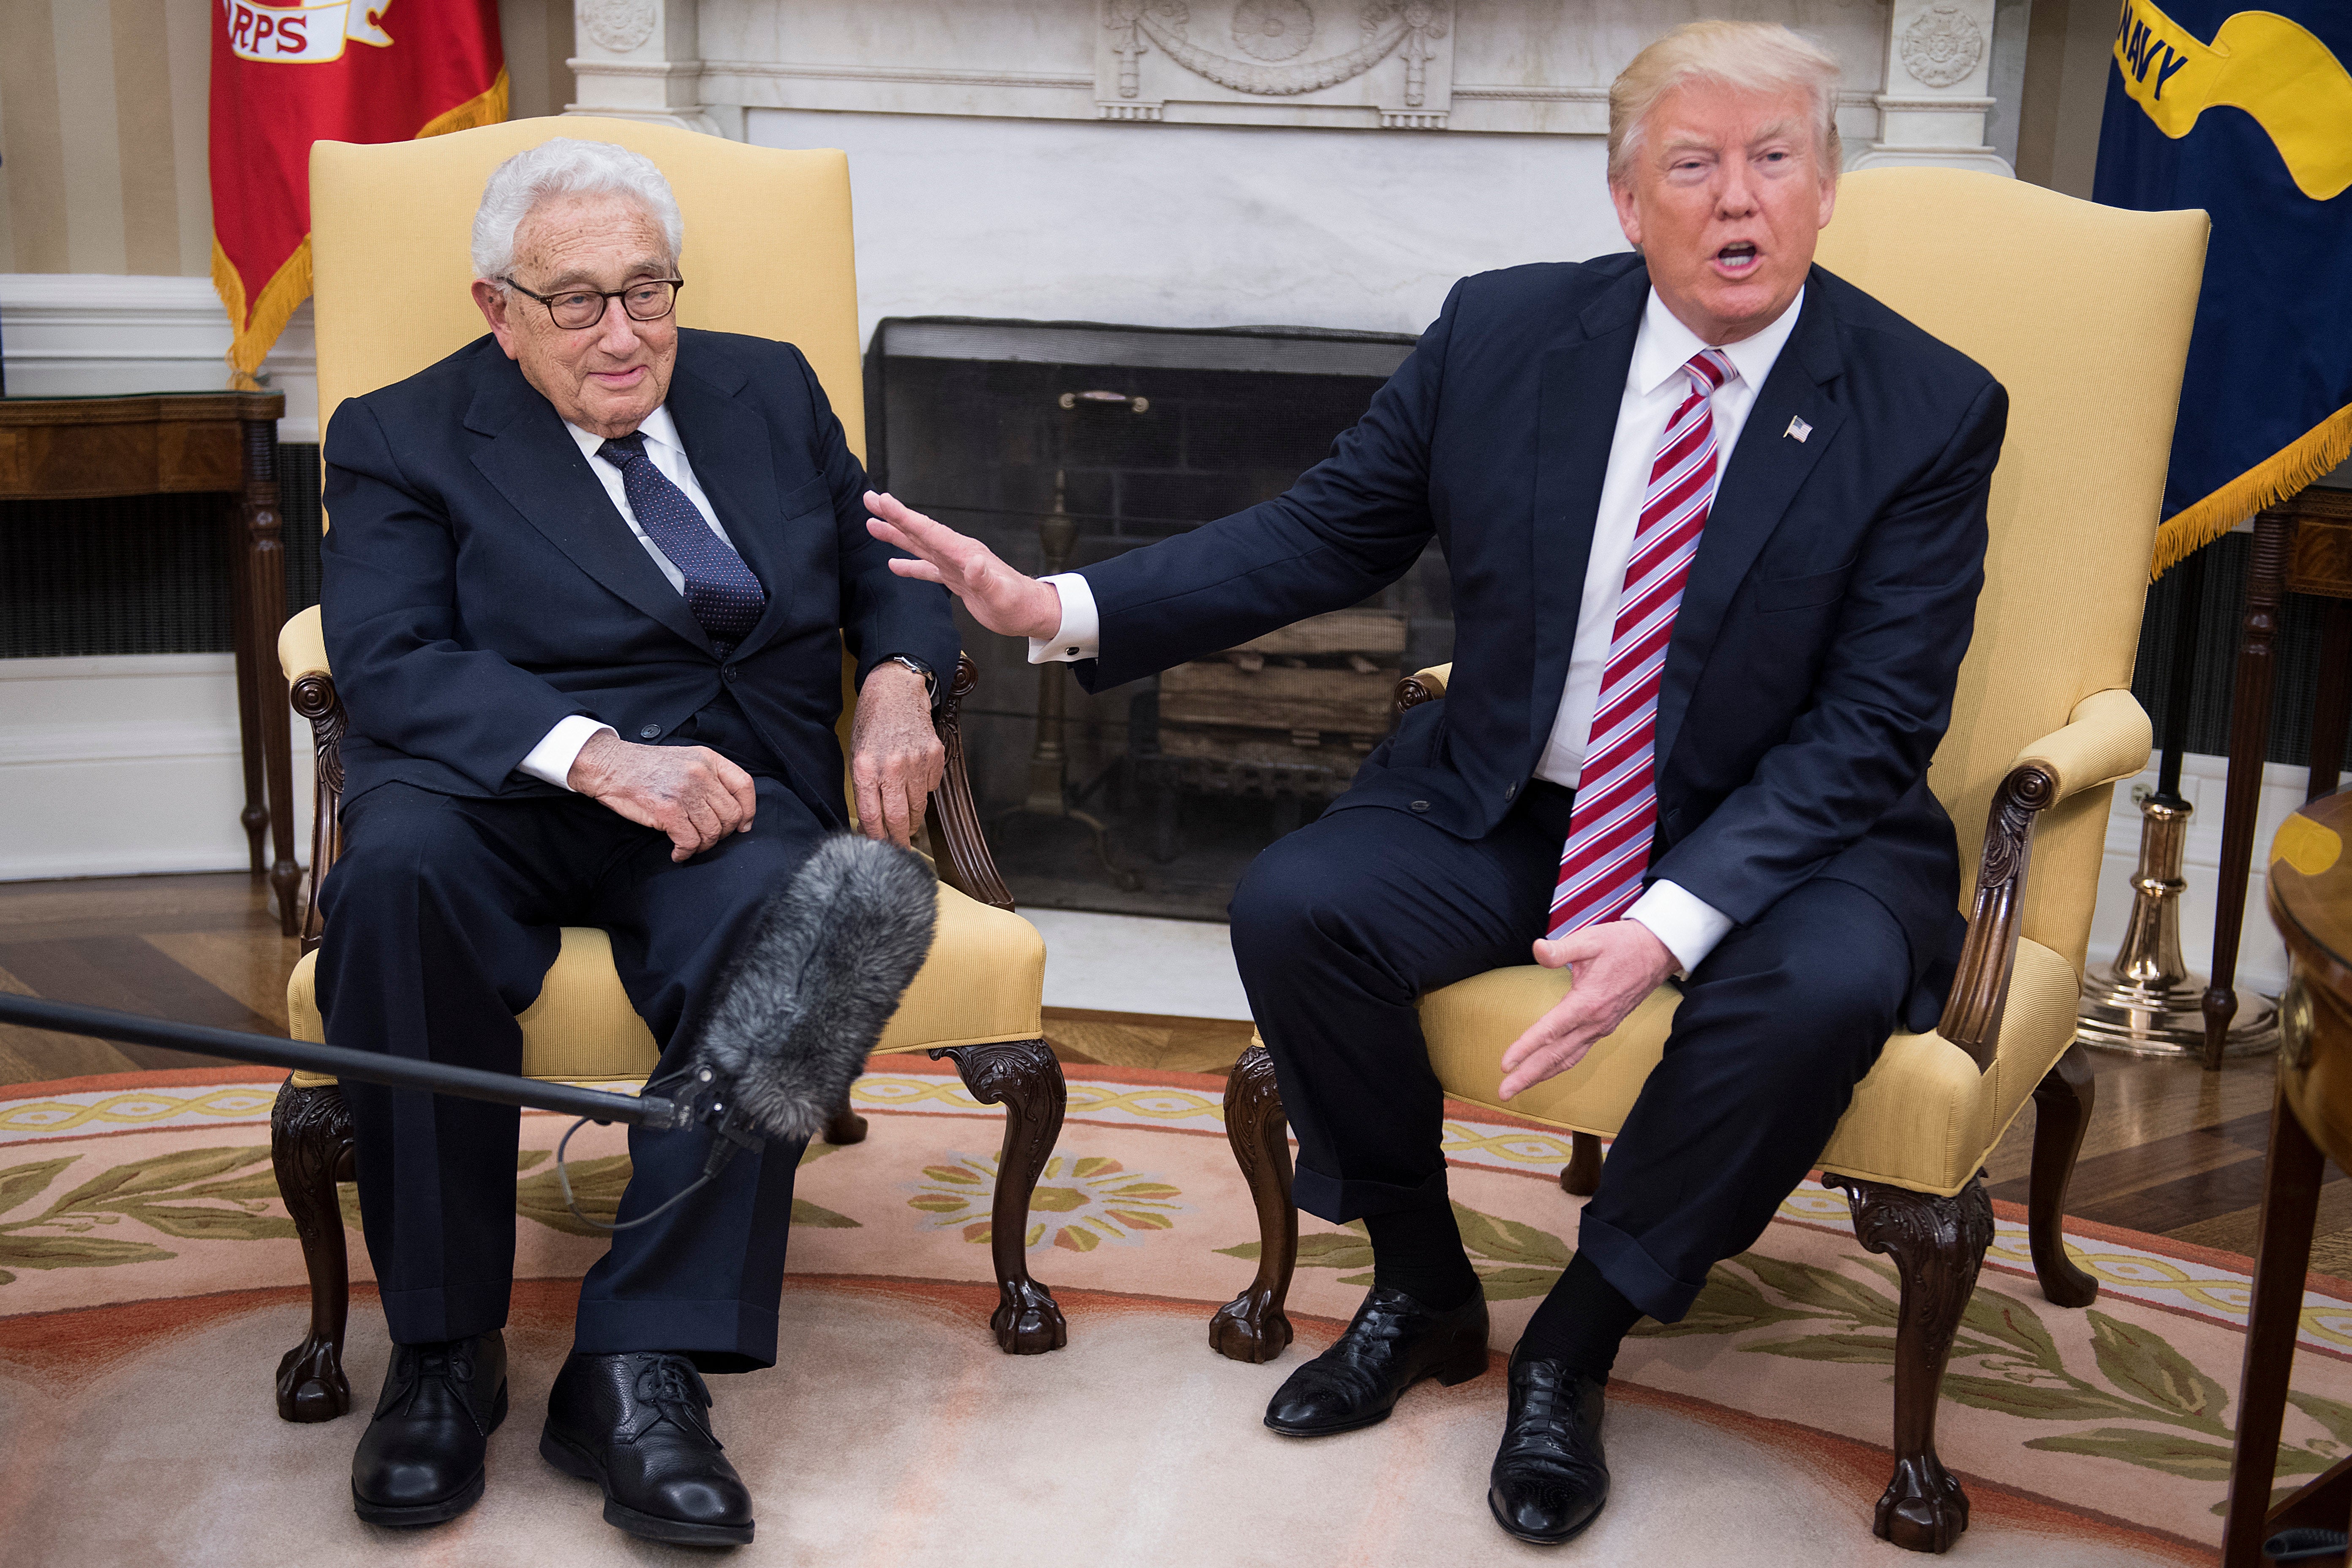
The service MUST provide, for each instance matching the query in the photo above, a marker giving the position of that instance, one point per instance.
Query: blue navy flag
(2248, 114)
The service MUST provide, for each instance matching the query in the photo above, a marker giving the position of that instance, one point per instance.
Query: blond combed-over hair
(1748, 57)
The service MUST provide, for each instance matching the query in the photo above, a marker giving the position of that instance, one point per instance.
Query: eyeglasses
(576, 309)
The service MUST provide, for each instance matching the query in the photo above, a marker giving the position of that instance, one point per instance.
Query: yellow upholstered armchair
(2083, 312)
(768, 249)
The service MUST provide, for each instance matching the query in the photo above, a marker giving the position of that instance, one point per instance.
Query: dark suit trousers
(1339, 928)
(441, 920)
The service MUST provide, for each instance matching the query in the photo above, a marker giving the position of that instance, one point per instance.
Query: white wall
(1188, 226)
(118, 766)
(122, 765)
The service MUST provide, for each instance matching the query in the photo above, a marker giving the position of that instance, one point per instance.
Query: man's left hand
(895, 756)
(1616, 964)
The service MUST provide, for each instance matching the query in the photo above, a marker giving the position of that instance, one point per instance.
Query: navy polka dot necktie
(719, 589)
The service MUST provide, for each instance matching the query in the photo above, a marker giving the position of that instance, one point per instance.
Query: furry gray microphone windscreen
(792, 1018)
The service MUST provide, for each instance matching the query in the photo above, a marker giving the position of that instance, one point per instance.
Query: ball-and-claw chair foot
(1026, 1078)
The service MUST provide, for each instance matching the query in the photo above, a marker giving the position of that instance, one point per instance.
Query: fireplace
(1063, 444)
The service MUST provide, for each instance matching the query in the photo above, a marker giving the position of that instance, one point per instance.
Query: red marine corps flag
(285, 75)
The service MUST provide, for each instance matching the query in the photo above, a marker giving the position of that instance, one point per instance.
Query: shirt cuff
(1080, 633)
(1690, 928)
(551, 761)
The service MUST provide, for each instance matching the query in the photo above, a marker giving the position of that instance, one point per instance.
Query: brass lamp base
(2117, 1014)
(2145, 1002)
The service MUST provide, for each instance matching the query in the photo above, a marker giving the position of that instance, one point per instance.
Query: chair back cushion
(767, 249)
(2083, 312)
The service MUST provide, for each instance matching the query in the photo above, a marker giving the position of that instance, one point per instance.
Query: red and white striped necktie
(1616, 810)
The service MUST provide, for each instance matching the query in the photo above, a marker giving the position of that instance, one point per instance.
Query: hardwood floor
(202, 949)
(2171, 1148)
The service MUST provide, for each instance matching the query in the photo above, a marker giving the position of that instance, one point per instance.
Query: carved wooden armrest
(2106, 738)
(964, 860)
(1421, 686)
(314, 698)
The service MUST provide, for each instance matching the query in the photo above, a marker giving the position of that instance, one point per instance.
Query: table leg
(2332, 706)
(2250, 731)
(244, 642)
(2290, 1180)
(266, 601)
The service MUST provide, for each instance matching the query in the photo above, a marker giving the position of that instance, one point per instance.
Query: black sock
(1419, 1251)
(1581, 1321)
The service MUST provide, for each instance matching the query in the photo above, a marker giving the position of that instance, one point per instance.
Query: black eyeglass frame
(548, 301)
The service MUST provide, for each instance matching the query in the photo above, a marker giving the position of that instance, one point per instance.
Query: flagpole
(2147, 1002)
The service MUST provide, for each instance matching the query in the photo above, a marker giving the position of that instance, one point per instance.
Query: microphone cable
(726, 1139)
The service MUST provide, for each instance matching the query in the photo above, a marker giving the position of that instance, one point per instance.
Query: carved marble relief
(619, 25)
(1304, 62)
(1941, 46)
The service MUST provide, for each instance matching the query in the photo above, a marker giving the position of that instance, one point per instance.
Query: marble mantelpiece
(1919, 74)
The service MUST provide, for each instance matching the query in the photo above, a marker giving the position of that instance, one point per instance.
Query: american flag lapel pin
(1797, 428)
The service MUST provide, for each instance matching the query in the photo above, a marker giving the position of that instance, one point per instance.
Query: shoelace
(451, 1364)
(1371, 1331)
(670, 1389)
(445, 1361)
(1548, 1426)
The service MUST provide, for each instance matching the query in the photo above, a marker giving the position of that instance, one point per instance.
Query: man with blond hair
(1715, 524)
(586, 595)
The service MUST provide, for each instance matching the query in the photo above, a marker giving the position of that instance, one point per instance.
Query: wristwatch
(931, 682)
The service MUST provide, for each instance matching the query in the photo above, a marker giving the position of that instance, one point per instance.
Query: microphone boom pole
(368, 1066)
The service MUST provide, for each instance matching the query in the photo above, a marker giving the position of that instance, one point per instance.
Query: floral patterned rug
(149, 1276)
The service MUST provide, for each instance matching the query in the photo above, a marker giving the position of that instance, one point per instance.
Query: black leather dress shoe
(1394, 1343)
(638, 1425)
(420, 1460)
(1550, 1475)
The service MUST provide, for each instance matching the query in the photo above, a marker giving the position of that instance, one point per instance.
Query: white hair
(566, 166)
(1748, 57)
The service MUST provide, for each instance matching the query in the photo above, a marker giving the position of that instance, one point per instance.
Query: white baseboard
(124, 767)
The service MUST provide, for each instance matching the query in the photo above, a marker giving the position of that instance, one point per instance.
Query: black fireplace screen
(1086, 440)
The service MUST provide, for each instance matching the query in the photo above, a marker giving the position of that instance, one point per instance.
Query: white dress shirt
(551, 761)
(1654, 387)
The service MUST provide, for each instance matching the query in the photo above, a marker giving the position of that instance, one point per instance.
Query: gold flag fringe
(488, 107)
(279, 297)
(291, 285)
(2320, 449)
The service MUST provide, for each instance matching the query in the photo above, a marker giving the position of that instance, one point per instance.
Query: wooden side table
(2311, 1123)
(2302, 545)
(195, 443)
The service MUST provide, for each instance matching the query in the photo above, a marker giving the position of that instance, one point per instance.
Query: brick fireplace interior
(1143, 433)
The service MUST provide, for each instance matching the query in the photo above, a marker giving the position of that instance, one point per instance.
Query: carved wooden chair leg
(310, 1150)
(1023, 1076)
(1253, 1326)
(846, 1127)
(1580, 1177)
(2061, 1109)
(1938, 1245)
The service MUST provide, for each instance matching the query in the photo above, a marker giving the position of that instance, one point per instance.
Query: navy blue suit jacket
(478, 585)
(1811, 673)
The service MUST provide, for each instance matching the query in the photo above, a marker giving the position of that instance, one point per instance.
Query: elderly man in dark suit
(585, 593)
(1716, 522)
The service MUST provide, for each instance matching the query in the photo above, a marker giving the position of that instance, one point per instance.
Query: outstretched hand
(1616, 963)
(999, 598)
